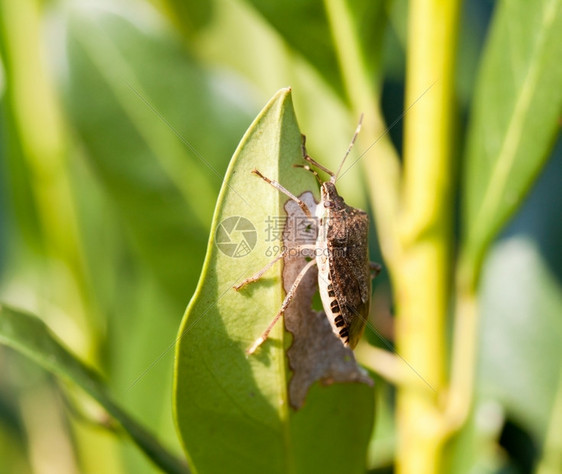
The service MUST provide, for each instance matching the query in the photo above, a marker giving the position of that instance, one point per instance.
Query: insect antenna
(357, 130)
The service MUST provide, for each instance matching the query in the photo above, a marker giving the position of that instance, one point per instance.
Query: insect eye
(328, 204)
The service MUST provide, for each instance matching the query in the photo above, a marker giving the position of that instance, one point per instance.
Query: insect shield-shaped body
(341, 250)
(344, 278)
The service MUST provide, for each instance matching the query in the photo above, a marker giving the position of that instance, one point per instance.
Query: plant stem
(424, 271)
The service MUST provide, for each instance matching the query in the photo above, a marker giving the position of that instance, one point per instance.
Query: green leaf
(232, 409)
(515, 118)
(158, 130)
(31, 337)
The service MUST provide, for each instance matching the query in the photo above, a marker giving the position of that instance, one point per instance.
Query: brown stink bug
(340, 250)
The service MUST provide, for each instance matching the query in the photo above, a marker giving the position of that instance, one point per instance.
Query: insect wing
(349, 270)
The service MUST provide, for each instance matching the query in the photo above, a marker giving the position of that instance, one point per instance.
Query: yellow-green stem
(424, 270)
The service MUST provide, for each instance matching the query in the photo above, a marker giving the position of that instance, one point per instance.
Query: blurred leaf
(475, 448)
(157, 129)
(519, 352)
(28, 106)
(189, 15)
(515, 119)
(551, 458)
(14, 452)
(234, 410)
(38, 166)
(31, 337)
(304, 26)
(520, 355)
(140, 354)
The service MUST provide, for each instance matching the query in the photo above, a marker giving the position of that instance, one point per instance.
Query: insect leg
(290, 294)
(256, 276)
(375, 269)
(309, 158)
(285, 191)
(308, 168)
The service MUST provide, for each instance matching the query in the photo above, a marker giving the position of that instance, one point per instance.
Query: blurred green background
(118, 121)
